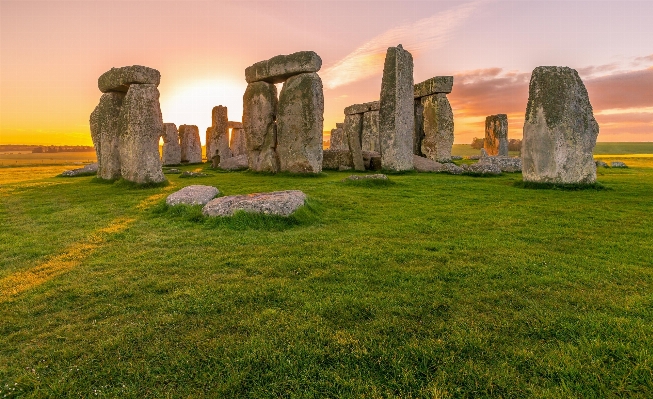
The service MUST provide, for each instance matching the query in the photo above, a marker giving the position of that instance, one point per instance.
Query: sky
(52, 53)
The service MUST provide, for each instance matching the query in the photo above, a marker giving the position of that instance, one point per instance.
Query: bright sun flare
(191, 103)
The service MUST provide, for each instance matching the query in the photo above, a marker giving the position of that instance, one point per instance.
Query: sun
(190, 103)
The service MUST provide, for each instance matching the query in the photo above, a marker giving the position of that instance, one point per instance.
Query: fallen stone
(259, 110)
(456, 157)
(191, 147)
(377, 176)
(171, 171)
(479, 168)
(300, 123)
(192, 195)
(505, 164)
(282, 203)
(423, 164)
(105, 132)
(337, 159)
(141, 126)
(618, 164)
(396, 112)
(119, 79)
(452, 168)
(601, 164)
(171, 151)
(435, 85)
(438, 128)
(559, 130)
(234, 163)
(496, 135)
(353, 130)
(88, 170)
(370, 132)
(194, 174)
(278, 69)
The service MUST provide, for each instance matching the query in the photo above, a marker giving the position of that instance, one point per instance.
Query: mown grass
(431, 286)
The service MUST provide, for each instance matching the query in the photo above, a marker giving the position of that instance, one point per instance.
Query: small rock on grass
(618, 164)
(192, 195)
(85, 171)
(194, 174)
(282, 203)
(377, 176)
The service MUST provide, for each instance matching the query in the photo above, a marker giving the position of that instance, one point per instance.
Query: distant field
(56, 158)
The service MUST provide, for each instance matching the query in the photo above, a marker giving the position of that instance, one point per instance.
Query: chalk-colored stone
(220, 134)
(234, 163)
(496, 135)
(438, 84)
(370, 133)
(119, 79)
(171, 148)
(105, 132)
(300, 121)
(237, 142)
(192, 195)
(191, 146)
(259, 110)
(438, 128)
(278, 69)
(353, 130)
(337, 140)
(282, 203)
(396, 113)
(560, 130)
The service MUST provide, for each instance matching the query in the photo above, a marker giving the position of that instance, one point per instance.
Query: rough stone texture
(278, 69)
(423, 164)
(396, 113)
(362, 108)
(282, 203)
(338, 140)
(601, 164)
(353, 130)
(496, 135)
(438, 128)
(438, 84)
(504, 163)
(371, 160)
(119, 79)
(480, 168)
(259, 112)
(237, 143)
(192, 195)
(141, 126)
(171, 152)
(188, 173)
(105, 132)
(452, 168)
(220, 134)
(209, 147)
(191, 147)
(234, 125)
(336, 159)
(300, 122)
(418, 133)
(560, 130)
(370, 133)
(87, 170)
(234, 163)
(378, 176)
(456, 157)
(618, 164)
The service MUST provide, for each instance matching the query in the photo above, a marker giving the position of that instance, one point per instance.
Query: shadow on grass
(286, 174)
(371, 183)
(241, 220)
(559, 186)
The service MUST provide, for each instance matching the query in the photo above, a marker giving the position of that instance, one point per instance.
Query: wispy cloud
(427, 33)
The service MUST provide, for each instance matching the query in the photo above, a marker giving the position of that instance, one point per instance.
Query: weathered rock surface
(237, 142)
(191, 147)
(259, 113)
(282, 203)
(119, 79)
(209, 147)
(396, 112)
(337, 159)
(435, 85)
(192, 195)
(353, 130)
(187, 174)
(371, 160)
(504, 163)
(171, 152)
(300, 121)
(423, 164)
(234, 163)
(601, 164)
(480, 168)
(418, 133)
(278, 69)
(438, 128)
(141, 126)
(560, 130)
(452, 168)
(496, 135)
(370, 133)
(337, 140)
(378, 176)
(87, 170)
(235, 125)
(362, 108)
(618, 164)
(105, 132)
(220, 134)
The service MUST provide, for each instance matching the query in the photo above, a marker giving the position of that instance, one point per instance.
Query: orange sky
(52, 52)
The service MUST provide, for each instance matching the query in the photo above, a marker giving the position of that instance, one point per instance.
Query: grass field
(431, 286)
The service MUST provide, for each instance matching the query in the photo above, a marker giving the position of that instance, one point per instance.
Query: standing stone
(209, 149)
(141, 125)
(237, 141)
(438, 127)
(559, 129)
(353, 130)
(337, 140)
(496, 135)
(220, 134)
(105, 132)
(418, 135)
(171, 148)
(259, 114)
(300, 122)
(191, 147)
(397, 114)
(370, 133)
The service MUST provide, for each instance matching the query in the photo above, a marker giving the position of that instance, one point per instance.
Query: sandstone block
(282, 203)
(220, 135)
(234, 163)
(370, 133)
(396, 112)
(235, 125)
(119, 79)
(335, 159)
(278, 69)
(259, 114)
(496, 135)
(418, 133)
(371, 160)
(191, 146)
(106, 134)
(141, 126)
(171, 148)
(438, 84)
(337, 140)
(192, 195)
(237, 142)
(423, 164)
(353, 130)
(560, 130)
(300, 120)
(209, 148)
(438, 128)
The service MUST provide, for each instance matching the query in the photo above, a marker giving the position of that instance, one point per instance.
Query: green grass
(433, 286)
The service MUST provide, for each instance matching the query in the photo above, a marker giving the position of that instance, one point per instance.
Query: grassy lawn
(432, 286)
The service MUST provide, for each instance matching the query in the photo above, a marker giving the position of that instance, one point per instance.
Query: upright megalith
(353, 130)
(559, 129)
(496, 135)
(237, 142)
(300, 121)
(105, 132)
(433, 136)
(259, 124)
(171, 148)
(370, 132)
(141, 125)
(361, 130)
(396, 110)
(278, 69)
(219, 135)
(337, 139)
(191, 146)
